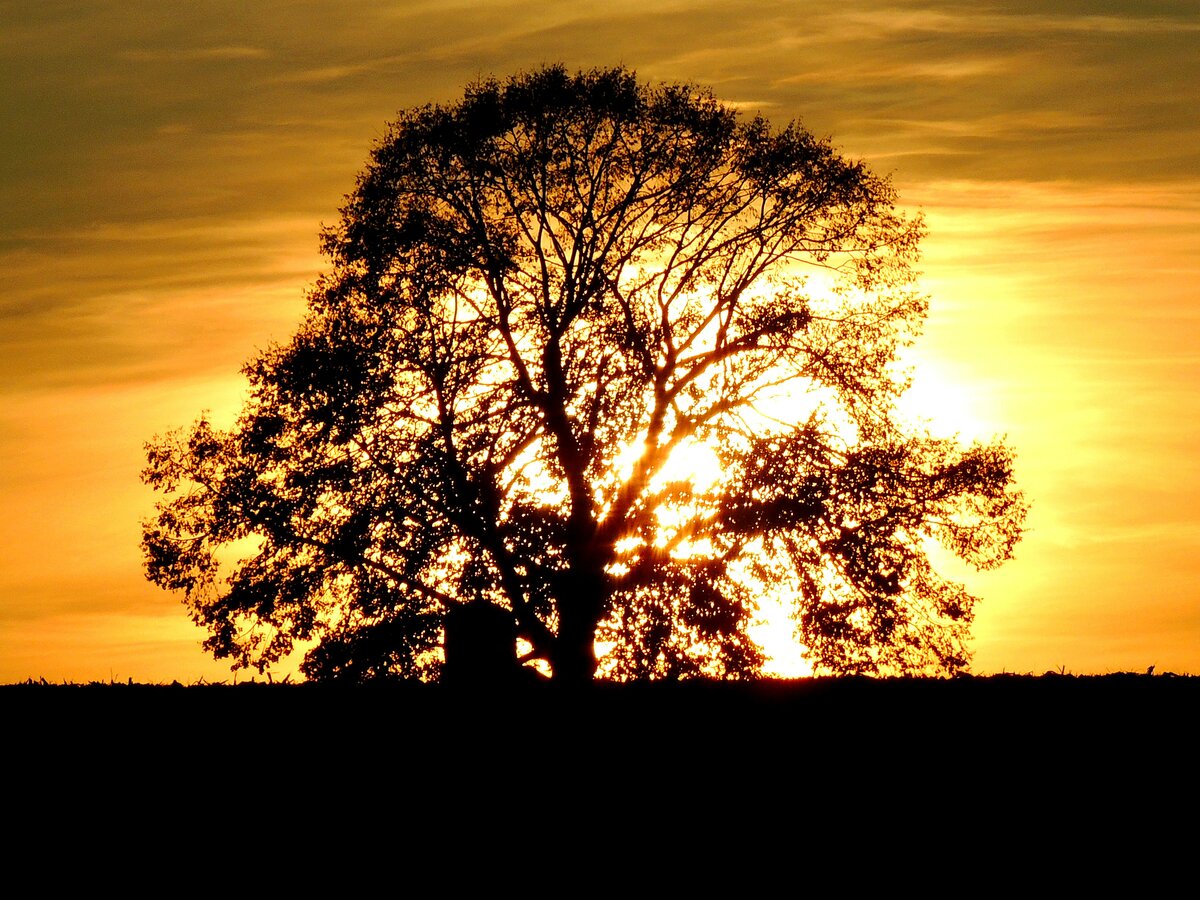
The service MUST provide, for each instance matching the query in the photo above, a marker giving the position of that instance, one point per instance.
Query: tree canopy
(611, 359)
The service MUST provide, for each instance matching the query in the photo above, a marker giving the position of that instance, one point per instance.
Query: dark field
(1139, 713)
(1034, 757)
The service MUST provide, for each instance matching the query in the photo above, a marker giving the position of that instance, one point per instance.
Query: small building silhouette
(480, 644)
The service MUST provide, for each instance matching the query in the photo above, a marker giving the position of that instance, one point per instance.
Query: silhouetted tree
(541, 297)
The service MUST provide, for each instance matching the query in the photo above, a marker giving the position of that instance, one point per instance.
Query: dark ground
(1138, 713)
(939, 765)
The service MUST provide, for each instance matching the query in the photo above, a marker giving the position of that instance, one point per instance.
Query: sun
(773, 628)
(943, 403)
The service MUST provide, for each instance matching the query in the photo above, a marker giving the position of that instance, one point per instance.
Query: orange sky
(164, 170)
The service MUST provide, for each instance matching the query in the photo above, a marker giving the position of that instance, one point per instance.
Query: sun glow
(944, 404)
(773, 627)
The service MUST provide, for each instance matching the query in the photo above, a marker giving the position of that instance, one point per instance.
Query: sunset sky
(165, 168)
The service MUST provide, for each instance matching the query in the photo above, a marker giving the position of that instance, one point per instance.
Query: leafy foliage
(541, 299)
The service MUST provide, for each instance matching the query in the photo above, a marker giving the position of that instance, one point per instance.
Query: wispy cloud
(143, 300)
(195, 54)
(988, 21)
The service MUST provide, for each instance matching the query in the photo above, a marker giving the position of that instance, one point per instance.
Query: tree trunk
(575, 647)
